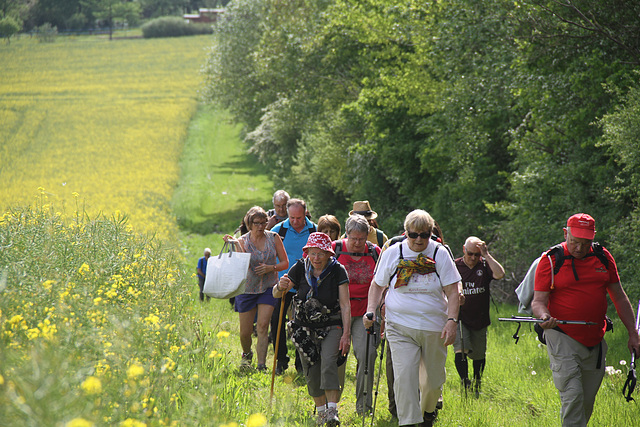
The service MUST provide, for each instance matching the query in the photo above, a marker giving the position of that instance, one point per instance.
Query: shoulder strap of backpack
(558, 253)
(380, 237)
(372, 251)
(598, 251)
(338, 249)
(283, 231)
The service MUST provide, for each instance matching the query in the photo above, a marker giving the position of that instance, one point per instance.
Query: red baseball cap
(583, 226)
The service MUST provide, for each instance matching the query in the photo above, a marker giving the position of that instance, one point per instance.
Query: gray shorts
(475, 342)
(323, 375)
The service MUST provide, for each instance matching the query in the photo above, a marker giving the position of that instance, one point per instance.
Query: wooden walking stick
(275, 356)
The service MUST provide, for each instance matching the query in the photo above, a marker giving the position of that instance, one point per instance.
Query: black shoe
(281, 369)
(478, 385)
(261, 367)
(429, 418)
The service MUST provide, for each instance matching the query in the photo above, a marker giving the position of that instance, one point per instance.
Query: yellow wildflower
(1, 379)
(169, 365)
(257, 420)
(47, 284)
(92, 385)
(151, 319)
(84, 268)
(130, 422)
(222, 334)
(79, 422)
(214, 354)
(135, 371)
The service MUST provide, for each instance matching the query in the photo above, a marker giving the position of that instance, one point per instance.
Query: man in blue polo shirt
(294, 232)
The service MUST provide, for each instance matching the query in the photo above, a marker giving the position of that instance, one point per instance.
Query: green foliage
(169, 26)
(46, 33)
(8, 27)
(482, 113)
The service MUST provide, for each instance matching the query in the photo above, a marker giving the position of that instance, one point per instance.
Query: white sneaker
(332, 419)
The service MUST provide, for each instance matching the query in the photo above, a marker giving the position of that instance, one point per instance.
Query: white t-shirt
(422, 303)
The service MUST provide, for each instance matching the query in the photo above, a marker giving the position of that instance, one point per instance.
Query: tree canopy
(500, 118)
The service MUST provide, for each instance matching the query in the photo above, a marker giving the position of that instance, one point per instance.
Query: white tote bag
(227, 273)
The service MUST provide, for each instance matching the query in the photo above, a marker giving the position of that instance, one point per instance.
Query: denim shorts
(247, 302)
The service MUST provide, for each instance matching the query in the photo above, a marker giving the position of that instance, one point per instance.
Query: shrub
(46, 33)
(171, 26)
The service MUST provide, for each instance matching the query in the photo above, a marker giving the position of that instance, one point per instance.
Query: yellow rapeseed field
(105, 120)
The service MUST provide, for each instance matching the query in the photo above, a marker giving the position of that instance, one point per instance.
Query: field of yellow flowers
(105, 120)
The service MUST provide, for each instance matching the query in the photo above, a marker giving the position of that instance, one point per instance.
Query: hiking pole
(520, 320)
(375, 399)
(630, 384)
(536, 320)
(366, 368)
(275, 356)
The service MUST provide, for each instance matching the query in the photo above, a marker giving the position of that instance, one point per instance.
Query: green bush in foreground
(172, 26)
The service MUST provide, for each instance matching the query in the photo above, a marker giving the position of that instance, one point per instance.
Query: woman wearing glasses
(358, 256)
(257, 303)
(421, 315)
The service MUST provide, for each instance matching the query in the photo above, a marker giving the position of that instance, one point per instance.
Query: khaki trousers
(577, 374)
(409, 347)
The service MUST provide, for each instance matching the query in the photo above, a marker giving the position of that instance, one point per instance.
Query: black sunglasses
(414, 235)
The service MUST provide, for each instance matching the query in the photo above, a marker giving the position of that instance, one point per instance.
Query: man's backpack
(525, 290)
(372, 251)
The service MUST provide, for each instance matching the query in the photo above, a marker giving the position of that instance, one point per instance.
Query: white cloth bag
(226, 274)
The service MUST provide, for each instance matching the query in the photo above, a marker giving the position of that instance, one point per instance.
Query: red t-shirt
(584, 299)
(360, 276)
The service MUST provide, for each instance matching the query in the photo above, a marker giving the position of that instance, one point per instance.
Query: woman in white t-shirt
(421, 315)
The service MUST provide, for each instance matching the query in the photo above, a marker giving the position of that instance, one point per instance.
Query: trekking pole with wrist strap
(521, 319)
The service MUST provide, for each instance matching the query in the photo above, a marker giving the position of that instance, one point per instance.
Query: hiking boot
(246, 360)
(478, 385)
(332, 419)
(465, 385)
(321, 418)
(261, 367)
(429, 418)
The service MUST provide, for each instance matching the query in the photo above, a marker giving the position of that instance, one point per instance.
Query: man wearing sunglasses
(477, 268)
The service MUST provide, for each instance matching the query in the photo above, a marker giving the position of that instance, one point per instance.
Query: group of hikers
(360, 289)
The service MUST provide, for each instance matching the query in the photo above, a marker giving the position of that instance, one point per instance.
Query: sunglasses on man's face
(414, 235)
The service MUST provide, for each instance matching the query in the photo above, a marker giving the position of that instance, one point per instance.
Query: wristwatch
(453, 318)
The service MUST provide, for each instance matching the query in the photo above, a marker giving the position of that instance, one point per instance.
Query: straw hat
(363, 209)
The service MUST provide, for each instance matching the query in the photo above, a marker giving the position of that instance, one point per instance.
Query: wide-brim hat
(363, 208)
(582, 225)
(320, 241)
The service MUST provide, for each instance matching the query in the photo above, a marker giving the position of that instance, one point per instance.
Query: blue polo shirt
(294, 241)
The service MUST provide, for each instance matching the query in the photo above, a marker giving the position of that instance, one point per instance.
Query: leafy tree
(111, 11)
(622, 138)
(8, 27)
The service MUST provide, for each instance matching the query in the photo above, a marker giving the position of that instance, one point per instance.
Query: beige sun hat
(363, 208)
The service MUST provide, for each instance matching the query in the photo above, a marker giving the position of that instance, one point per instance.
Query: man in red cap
(572, 285)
